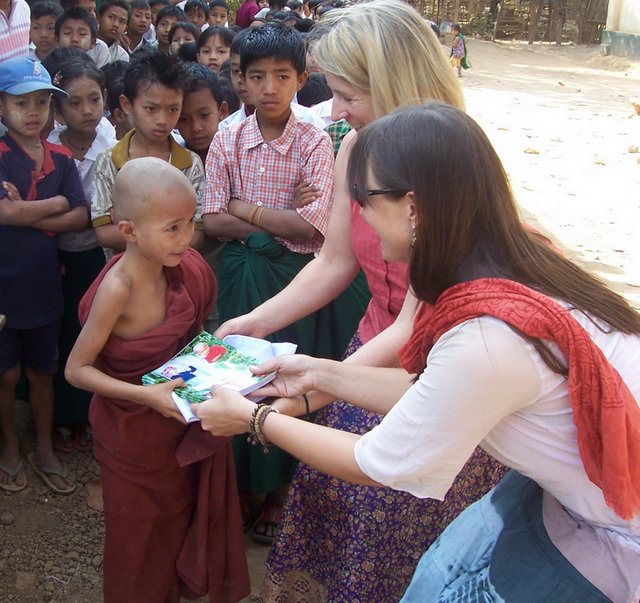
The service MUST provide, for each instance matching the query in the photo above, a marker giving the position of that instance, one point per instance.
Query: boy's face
(213, 53)
(75, 33)
(90, 5)
(199, 119)
(237, 80)
(271, 85)
(113, 23)
(163, 234)
(263, 3)
(140, 21)
(218, 15)
(155, 9)
(180, 38)
(25, 115)
(162, 29)
(155, 111)
(43, 34)
(197, 17)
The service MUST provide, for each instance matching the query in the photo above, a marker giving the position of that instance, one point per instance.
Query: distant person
(42, 34)
(15, 22)
(113, 17)
(218, 13)
(172, 525)
(458, 56)
(181, 33)
(246, 13)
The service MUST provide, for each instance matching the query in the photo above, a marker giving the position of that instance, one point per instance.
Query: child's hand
(305, 193)
(125, 42)
(159, 398)
(12, 191)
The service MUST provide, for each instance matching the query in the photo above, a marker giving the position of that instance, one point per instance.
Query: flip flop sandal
(44, 474)
(269, 522)
(15, 474)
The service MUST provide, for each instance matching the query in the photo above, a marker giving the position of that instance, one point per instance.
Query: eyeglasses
(359, 197)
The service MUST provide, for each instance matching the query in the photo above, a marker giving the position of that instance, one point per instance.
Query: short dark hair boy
(152, 79)
(139, 23)
(165, 18)
(77, 28)
(197, 12)
(113, 17)
(219, 12)
(43, 26)
(278, 42)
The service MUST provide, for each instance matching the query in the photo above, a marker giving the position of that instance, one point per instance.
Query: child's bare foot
(94, 495)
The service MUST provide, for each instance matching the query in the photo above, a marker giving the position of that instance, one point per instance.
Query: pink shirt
(242, 165)
(388, 281)
(14, 31)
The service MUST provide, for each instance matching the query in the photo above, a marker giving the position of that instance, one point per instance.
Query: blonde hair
(384, 47)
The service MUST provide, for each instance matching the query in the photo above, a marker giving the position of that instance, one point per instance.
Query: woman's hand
(159, 398)
(292, 407)
(243, 325)
(294, 375)
(227, 413)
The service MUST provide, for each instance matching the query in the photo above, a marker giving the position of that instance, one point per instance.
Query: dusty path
(559, 118)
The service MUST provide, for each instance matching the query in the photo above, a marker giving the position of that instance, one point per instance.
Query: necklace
(76, 146)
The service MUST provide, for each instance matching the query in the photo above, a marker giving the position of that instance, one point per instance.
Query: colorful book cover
(206, 361)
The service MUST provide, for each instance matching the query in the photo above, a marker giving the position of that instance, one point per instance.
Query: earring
(414, 238)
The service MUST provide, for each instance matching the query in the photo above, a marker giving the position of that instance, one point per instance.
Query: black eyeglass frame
(355, 192)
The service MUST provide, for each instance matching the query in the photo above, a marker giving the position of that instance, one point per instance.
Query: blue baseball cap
(22, 75)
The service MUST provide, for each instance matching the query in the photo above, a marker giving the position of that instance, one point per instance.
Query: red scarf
(605, 413)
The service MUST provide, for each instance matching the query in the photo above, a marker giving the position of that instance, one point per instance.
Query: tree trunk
(555, 29)
(535, 8)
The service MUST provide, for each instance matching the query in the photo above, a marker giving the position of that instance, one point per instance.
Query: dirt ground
(560, 118)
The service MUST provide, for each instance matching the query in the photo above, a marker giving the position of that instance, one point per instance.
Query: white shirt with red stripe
(14, 30)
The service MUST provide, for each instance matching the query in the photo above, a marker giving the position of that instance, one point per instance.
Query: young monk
(171, 513)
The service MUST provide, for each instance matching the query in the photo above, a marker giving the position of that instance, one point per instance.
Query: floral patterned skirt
(341, 542)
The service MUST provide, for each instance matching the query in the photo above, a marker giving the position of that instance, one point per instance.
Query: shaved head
(145, 182)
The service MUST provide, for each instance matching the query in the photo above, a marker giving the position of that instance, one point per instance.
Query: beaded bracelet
(256, 423)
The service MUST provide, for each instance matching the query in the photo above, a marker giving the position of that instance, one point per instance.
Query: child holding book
(170, 507)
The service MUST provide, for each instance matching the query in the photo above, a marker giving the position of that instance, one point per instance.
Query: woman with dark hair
(514, 348)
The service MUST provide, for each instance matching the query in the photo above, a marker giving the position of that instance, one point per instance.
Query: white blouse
(485, 385)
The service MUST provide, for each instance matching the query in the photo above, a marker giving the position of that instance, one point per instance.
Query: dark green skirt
(252, 273)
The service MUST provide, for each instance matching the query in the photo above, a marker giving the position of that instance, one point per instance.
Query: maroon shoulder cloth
(605, 412)
(172, 521)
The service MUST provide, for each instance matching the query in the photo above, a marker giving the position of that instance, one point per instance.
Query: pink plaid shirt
(14, 31)
(242, 165)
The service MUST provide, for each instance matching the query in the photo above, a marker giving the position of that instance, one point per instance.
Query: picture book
(207, 360)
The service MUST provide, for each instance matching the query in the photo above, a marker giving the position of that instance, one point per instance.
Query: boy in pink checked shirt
(269, 189)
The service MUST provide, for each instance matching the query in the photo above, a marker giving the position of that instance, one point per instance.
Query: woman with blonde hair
(337, 541)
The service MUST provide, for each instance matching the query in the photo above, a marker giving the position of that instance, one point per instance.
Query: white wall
(624, 16)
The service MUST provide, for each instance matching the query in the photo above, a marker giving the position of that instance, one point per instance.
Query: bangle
(256, 423)
(259, 216)
(252, 213)
(306, 404)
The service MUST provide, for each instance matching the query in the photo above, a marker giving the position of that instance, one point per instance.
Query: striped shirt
(14, 31)
(242, 165)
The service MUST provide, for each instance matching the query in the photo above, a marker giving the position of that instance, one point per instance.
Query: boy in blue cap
(40, 196)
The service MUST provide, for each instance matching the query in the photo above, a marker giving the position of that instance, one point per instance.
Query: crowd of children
(110, 121)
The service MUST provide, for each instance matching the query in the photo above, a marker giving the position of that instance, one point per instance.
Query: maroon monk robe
(172, 519)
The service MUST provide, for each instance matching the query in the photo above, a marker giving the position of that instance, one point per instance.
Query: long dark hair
(467, 222)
